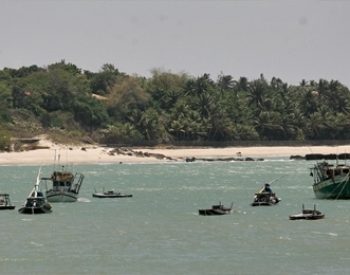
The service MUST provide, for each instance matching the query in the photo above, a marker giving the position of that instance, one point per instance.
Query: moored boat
(65, 186)
(5, 202)
(216, 210)
(36, 202)
(265, 196)
(331, 181)
(308, 214)
(265, 199)
(111, 194)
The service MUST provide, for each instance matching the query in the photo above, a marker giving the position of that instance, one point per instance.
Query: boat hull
(7, 207)
(332, 189)
(308, 214)
(44, 209)
(59, 196)
(102, 196)
(265, 199)
(213, 212)
(306, 217)
(263, 203)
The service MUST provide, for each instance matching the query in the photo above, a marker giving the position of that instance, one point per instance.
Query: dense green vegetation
(112, 107)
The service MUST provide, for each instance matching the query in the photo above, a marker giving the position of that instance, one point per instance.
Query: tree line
(113, 107)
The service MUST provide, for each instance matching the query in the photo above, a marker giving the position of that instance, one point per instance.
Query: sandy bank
(95, 154)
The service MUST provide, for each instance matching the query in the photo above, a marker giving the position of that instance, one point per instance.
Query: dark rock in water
(326, 156)
(190, 159)
(314, 156)
(331, 156)
(344, 156)
(297, 157)
(249, 159)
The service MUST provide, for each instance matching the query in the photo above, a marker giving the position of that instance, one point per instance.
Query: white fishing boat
(64, 185)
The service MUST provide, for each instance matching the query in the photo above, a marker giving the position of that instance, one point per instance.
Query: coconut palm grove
(112, 107)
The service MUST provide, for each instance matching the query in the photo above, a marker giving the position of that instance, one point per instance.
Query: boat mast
(36, 186)
(55, 160)
(34, 192)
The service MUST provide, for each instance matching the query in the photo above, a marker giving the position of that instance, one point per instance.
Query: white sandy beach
(99, 155)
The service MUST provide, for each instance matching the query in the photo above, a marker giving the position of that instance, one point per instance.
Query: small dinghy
(216, 210)
(110, 194)
(265, 199)
(5, 202)
(265, 196)
(308, 214)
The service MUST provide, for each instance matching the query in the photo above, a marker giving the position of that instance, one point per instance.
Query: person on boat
(265, 189)
(263, 194)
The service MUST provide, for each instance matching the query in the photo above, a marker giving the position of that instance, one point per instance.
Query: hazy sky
(292, 40)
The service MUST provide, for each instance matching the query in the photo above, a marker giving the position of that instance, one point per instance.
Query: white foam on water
(84, 200)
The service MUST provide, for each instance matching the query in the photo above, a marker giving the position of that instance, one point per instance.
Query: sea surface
(159, 231)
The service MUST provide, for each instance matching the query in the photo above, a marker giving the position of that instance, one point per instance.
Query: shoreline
(105, 155)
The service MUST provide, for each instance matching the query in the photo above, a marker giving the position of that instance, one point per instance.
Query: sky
(289, 39)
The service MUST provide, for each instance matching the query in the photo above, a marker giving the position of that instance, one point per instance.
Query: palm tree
(256, 93)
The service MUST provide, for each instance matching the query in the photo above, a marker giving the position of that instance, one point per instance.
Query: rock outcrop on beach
(192, 159)
(130, 152)
(321, 156)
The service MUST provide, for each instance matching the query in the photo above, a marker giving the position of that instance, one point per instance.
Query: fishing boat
(5, 202)
(216, 210)
(331, 181)
(265, 199)
(110, 194)
(307, 214)
(265, 196)
(36, 202)
(65, 186)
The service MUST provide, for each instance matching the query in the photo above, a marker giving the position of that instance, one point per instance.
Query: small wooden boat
(308, 214)
(265, 199)
(110, 194)
(216, 210)
(36, 202)
(5, 202)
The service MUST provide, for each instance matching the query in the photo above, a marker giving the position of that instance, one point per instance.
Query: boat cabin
(323, 171)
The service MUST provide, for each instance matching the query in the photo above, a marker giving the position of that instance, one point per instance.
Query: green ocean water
(159, 231)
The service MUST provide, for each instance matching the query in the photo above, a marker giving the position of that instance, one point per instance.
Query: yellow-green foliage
(5, 140)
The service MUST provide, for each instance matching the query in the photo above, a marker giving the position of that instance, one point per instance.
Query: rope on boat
(344, 180)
